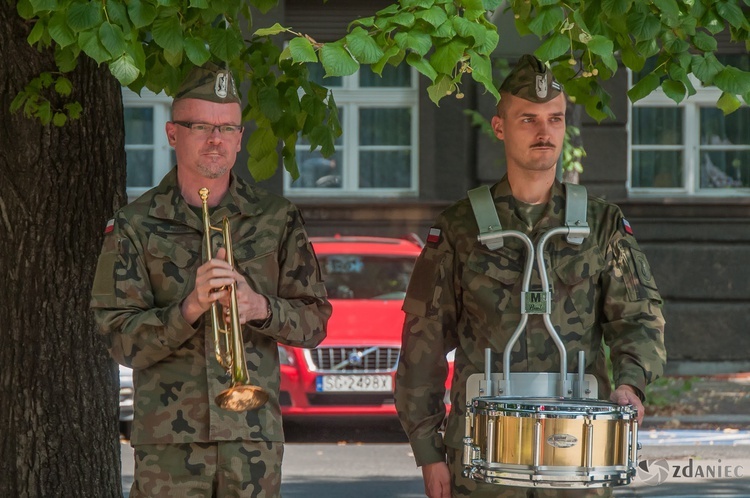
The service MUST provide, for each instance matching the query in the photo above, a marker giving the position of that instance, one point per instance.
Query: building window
(377, 154)
(691, 148)
(149, 155)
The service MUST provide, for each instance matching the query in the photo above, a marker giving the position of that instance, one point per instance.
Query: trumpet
(229, 347)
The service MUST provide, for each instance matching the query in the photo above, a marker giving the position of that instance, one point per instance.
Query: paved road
(374, 461)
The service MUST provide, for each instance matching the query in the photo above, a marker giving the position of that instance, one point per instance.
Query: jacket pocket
(579, 277)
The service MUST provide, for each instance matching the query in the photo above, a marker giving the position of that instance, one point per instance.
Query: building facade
(681, 174)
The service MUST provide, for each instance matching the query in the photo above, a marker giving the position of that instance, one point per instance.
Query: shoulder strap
(486, 214)
(576, 203)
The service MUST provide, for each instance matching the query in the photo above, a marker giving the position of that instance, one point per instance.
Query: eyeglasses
(208, 129)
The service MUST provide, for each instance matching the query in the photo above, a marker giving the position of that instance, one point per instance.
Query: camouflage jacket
(464, 296)
(147, 267)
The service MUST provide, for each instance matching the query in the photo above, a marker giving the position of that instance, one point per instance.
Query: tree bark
(58, 186)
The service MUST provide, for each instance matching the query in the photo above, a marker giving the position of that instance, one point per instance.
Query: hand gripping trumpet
(229, 346)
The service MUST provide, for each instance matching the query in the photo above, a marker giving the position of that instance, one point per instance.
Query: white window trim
(704, 97)
(349, 97)
(161, 104)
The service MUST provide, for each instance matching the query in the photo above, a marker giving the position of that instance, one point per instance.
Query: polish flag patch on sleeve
(433, 237)
(110, 226)
(627, 227)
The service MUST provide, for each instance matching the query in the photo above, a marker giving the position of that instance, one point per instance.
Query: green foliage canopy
(153, 43)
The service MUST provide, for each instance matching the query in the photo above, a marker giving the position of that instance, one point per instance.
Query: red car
(352, 372)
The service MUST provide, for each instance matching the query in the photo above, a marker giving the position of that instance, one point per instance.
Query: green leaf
(733, 80)
(270, 103)
(415, 40)
(435, 16)
(167, 33)
(363, 47)
(321, 136)
(67, 58)
(83, 16)
(41, 5)
(481, 72)
(675, 90)
(59, 30)
(730, 11)
(263, 168)
(446, 56)
(670, 12)
(422, 65)
(117, 13)
(706, 67)
(442, 86)
(199, 4)
(124, 69)
(112, 38)
(643, 25)
(728, 103)
(424, 4)
(74, 109)
(63, 86)
(226, 44)
(337, 61)
(469, 29)
(264, 5)
(705, 42)
(37, 32)
(196, 50)
(604, 48)
(644, 87)
(616, 7)
(632, 59)
(91, 46)
(553, 47)
(546, 20)
(302, 50)
(403, 19)
(59, 119)
(273, 30)
(141, 13)
(262, 141)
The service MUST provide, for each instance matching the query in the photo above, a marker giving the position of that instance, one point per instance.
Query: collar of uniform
(168, 202)
(502, 194)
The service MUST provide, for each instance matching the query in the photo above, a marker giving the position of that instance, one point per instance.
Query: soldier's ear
(498, 126)
(170, 129)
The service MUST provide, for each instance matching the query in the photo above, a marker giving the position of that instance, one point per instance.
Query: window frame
(691, 146)
(350, 98)
(162, 151)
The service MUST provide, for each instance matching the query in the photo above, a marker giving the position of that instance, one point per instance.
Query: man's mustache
(542, 144)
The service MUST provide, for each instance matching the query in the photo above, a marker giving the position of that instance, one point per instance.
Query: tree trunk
(58, 186)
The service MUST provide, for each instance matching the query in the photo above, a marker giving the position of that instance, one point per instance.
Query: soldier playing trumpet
(155, 284)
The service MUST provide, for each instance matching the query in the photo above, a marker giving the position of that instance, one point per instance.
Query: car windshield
(349, 276)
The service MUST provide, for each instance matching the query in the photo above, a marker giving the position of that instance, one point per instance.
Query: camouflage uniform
(463, 296)
(148, 266)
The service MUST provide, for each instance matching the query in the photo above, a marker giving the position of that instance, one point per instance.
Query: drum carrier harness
(542, 406)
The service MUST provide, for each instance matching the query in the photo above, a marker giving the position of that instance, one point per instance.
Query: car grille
(361, 359)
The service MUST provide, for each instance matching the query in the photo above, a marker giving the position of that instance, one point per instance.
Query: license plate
(354, 383)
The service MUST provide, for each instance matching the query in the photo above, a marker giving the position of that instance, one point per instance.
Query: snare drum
(552, 442)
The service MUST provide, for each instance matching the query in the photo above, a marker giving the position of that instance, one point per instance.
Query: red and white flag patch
(627, 227)
(110, 226)
(433, 237)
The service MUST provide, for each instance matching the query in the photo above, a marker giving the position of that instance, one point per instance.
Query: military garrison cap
(531, 80)
(209, 82)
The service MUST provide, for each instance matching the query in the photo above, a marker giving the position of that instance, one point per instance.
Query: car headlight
(285, 357)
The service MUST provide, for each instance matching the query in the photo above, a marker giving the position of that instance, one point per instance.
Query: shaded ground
(700, 402)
